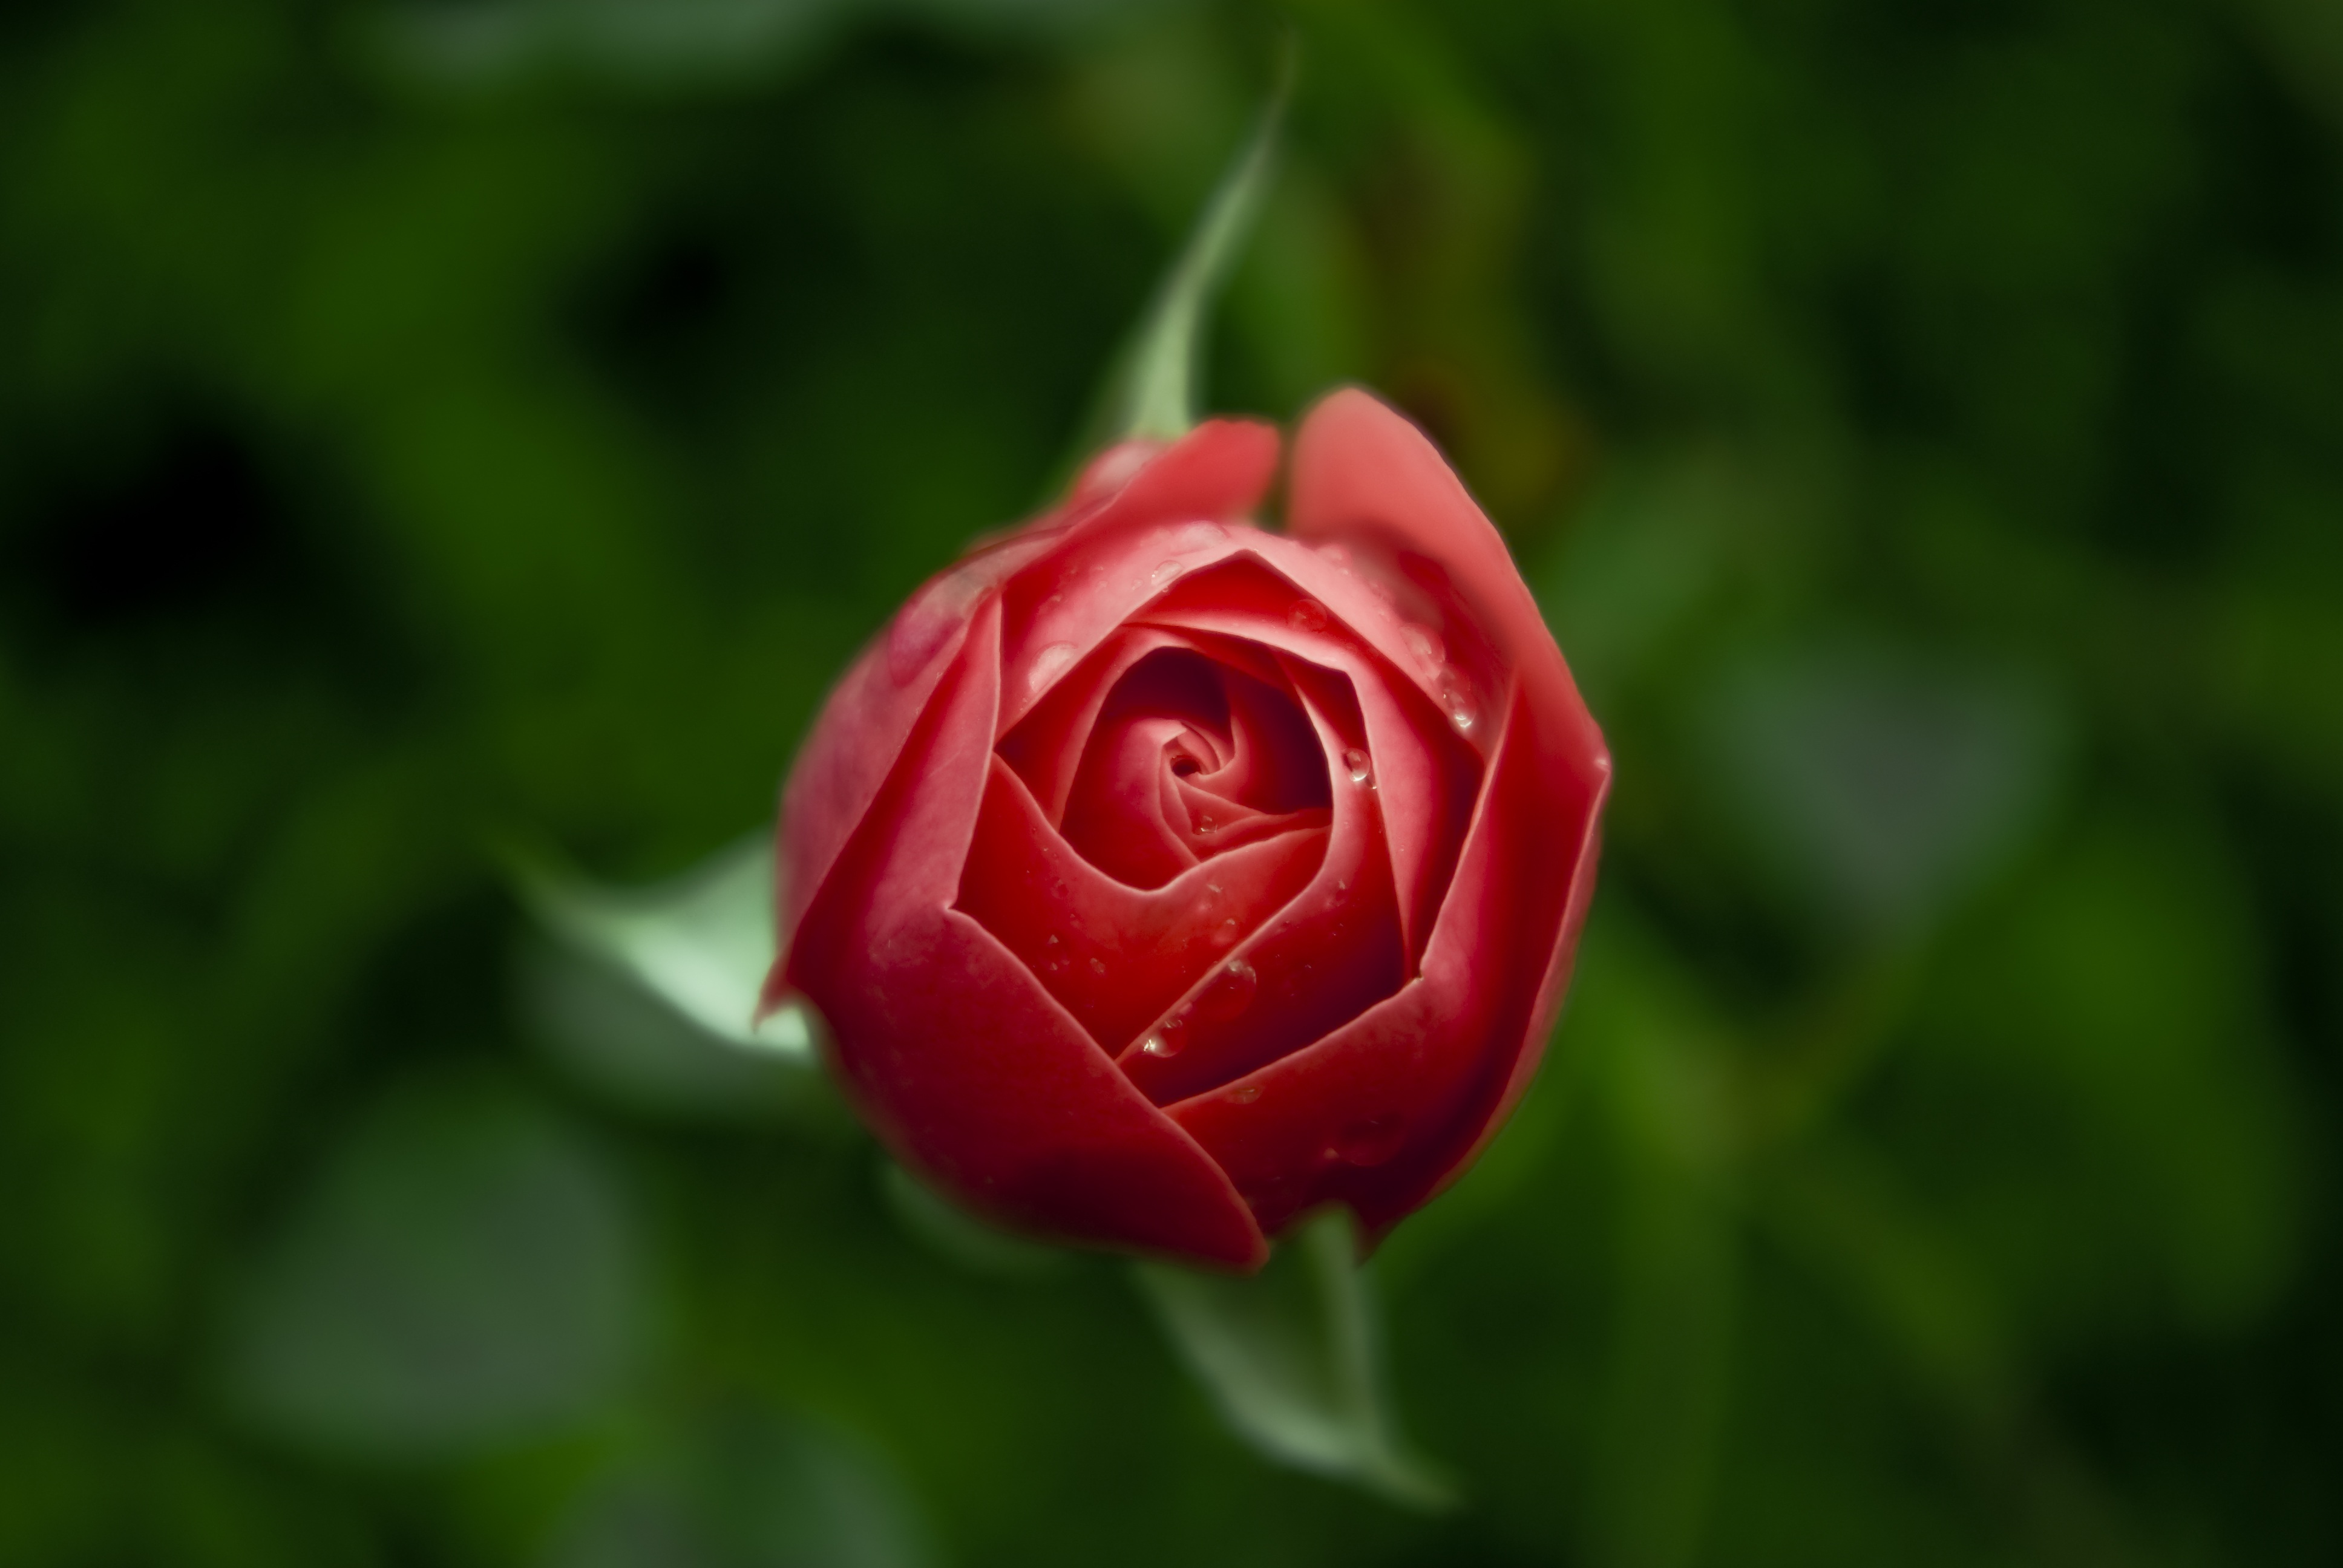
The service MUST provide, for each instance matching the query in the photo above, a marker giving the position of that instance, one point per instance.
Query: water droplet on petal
(1356, 761)
(1160, 1046)
(1163, 573)
(1245, 1094)
(1425, 644)
(1206, 823)
(1048, 663)
(1098, 967)
(1232, 990)
(1199, 536)
(1307, 615)
(1225, 934)
(1337, 555)
(1459, 707)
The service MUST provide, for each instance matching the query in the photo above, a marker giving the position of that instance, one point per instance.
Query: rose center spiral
(1191, 758)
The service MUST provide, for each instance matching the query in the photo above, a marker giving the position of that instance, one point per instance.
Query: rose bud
(1162, 878)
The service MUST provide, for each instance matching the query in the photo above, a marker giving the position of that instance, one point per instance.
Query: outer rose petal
(1384, 1112)
(1063, 607)
(963, 1062)
(1362, 473)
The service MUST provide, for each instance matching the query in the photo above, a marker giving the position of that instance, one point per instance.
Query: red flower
(1160, 878)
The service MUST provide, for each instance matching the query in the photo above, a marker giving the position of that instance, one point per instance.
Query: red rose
(1162, 878)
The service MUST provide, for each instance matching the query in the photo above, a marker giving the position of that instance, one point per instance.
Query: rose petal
(1185, 757)
(1362, 475)
(1329, 953)
(856, 740)
(1276, 764)
(1047, 745)
(1222, 469)
(1382, 1112)
(1175, 514)
(1122, 817)
(1216, 824)
(1115, 956)
(1424, 773)
(957, 1055)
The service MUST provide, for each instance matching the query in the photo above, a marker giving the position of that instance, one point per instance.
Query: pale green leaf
(1292, 1357)
(702, 942)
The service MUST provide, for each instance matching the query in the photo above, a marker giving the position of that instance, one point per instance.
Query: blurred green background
(421, 422)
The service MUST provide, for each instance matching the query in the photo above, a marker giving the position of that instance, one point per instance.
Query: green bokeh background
(427, 423)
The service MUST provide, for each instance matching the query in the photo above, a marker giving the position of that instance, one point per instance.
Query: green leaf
(701, 942)
(744, 1485)
(610, 1035)
(1292, 1357)
(1151, 394)
(465, 1272)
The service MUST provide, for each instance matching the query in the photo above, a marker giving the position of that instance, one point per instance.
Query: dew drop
(1425, 644)
(1224, 935)
(1206, 823)
(1098, 967)
(1246, 1094)
(1336, 555)
(1459, 707)
(1307, 615)
(1160, 1046)
(1053, 955)
(1213, 889)
(1232, 990)
(1199, 536)
(1048, 663)
(1163, 573)
(1356, 761)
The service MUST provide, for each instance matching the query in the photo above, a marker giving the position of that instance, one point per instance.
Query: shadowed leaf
(1291, 1357)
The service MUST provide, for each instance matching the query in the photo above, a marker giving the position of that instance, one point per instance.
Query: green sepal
(1150, 392)
(701, 942)
(1292, 1359)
